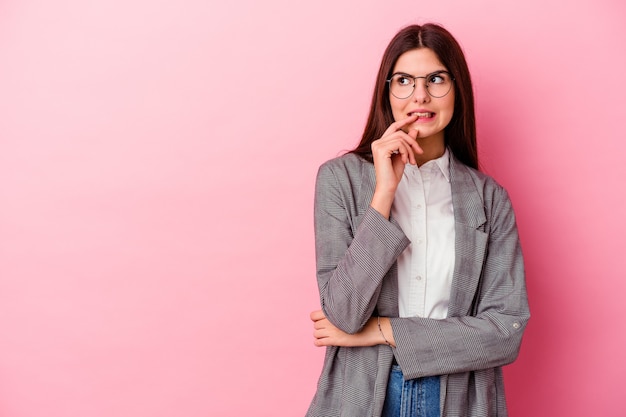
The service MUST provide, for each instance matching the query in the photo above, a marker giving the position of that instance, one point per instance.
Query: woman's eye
(436, 78)
(403, 80)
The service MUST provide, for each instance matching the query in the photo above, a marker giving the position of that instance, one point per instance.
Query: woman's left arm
(491, 334)
(489, 338)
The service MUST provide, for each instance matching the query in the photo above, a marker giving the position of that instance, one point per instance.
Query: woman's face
(434, 113)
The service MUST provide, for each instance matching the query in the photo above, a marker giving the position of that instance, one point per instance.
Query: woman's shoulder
(346, 161)
(483, 182)
(346, 172)
(348, 164)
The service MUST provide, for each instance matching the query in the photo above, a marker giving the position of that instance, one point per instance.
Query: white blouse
(423, 208)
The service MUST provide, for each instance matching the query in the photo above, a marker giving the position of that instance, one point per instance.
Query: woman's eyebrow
(411, 75)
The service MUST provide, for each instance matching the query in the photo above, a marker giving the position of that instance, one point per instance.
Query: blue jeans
(413, 398)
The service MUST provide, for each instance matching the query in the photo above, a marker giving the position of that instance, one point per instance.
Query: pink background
(157, 165)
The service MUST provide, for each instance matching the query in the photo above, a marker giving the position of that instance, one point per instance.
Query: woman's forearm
(377, 331)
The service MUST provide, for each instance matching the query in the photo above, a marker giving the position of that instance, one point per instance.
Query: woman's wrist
(380, 329)
(378, 332)
(385, 331)
(382, 201)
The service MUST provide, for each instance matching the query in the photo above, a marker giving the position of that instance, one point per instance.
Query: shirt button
(419, 277)
(419, 206)
(516, 325)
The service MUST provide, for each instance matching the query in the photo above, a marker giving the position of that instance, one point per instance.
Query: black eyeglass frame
(426, 77)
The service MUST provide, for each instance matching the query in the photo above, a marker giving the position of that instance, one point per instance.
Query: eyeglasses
(438, 84)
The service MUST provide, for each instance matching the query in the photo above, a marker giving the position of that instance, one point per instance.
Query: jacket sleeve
(352, 259)
(491, 334)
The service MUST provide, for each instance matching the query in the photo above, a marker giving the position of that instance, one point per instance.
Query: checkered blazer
(356, 252)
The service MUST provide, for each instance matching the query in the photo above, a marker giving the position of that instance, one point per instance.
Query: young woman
(419, 265)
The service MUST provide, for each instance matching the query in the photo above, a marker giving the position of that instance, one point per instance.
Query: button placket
(418, 268)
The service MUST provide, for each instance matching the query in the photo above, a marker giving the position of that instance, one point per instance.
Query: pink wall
(157, 163)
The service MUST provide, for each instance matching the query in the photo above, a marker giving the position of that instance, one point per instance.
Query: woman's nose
(420, 93)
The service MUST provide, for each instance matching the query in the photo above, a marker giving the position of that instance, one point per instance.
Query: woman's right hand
(391, 153)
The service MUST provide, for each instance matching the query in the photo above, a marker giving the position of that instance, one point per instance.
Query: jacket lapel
(368, 184)
(470, 239)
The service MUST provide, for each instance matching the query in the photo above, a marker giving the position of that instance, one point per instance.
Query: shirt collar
(442, 163)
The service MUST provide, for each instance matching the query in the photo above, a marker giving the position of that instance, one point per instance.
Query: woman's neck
(433, 148)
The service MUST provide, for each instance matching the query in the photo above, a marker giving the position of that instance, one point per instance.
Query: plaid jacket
(356, 252)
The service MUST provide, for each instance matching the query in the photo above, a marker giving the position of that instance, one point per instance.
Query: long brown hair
(460, 134)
